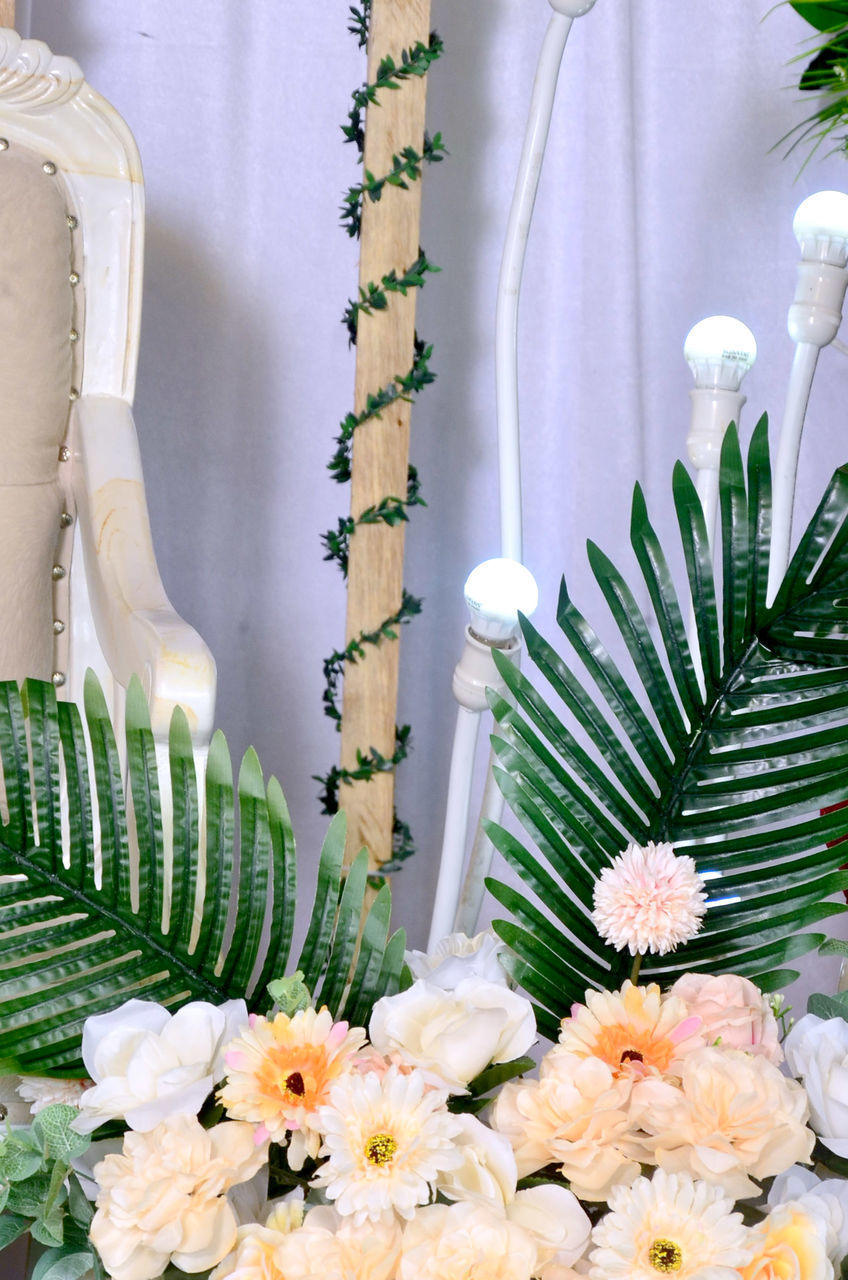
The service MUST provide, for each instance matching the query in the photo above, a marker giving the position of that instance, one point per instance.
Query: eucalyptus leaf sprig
(407, 166)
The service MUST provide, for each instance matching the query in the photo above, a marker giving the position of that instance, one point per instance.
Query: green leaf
(59, 1264)
(28, 1196)
(736, 775)
(824, 15)
(75, 941)
(828, 1007)
(834, 947)
(51, 1127)
(19, 1158)
(498, 1074)
(12, 1225)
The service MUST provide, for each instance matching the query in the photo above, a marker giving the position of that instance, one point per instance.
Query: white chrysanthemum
(649, 900)
(388, 1139)
(670, 1225)
(42, 1091)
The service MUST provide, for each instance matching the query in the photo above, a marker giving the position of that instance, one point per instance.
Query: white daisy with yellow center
(387, 1141)
(670, 1226)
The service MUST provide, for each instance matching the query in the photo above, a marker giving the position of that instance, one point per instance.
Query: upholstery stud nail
(4, 144)
(58, 626)
(73, 222)
(64, 454)
(66, 519)
(49, 168)
(58, 572)
(74, 278)
(58, 678)
(73, 394)
(74, 335)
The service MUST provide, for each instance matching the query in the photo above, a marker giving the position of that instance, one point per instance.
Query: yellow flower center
(380, 1148)
(665, 1255)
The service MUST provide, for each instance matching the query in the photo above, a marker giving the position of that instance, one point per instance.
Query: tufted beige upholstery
(37, 307)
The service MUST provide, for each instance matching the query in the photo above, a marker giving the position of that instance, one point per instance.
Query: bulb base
(713, 410)
(571, 8)
(816, 312)
(476, 671)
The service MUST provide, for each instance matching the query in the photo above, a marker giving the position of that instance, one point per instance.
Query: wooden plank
(7, 13)
(389, 241)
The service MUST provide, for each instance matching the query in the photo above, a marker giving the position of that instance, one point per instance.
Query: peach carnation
(734, 1117)
(576, 1115)
(649, 900)
(334, 1248)
(466, 1242)
(254, 1256)
(734, 1013)
(635, 1031)
(279, 1073)
(163, 1199)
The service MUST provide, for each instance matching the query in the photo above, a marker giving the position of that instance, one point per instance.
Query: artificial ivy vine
(406, 167)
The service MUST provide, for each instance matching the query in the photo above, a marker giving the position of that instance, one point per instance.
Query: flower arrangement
(665, 1133)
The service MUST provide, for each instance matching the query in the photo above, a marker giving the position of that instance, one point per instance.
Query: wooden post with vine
(387, 123)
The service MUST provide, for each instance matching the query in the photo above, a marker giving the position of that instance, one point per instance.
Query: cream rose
(148, 1063)
(164, 1198)
(453, 1035)
(487, 1174)
(817, 1052)
(330, 1246)
(825, 1198)
(789, 1242)
(733, 1012)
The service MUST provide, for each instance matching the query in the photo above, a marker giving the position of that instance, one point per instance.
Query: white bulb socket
(720, 350)
(821, 228)
(496, 592)
(571, 8)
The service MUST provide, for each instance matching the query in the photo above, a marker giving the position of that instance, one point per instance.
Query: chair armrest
(137, 627)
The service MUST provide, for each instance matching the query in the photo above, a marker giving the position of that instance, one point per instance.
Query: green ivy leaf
(12, 1225)
(51, 1128)
(28, 1197)
(49, 1229)
(61, 1264)
(19, 1159)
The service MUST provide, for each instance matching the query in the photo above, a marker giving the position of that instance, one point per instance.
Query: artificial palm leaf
(84, 924)
(734, 771)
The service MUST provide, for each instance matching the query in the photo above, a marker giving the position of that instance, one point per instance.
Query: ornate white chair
(79, 586)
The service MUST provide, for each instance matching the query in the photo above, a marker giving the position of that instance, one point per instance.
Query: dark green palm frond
(84, 924)
(736, 775)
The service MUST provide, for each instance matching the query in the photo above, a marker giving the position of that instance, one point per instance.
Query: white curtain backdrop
(663, 199)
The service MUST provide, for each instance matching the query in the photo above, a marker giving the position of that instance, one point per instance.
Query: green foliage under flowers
(735, 776)
(826, 74)
(76, 940)
(40, 1194)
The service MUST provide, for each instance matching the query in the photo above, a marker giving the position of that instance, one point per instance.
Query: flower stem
(637, 965)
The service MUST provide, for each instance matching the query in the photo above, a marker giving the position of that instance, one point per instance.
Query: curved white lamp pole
(512, 268)
(476, 669)
(821, 228)
(495, 592)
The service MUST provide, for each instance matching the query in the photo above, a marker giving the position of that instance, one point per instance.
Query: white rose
(817, 1052)
(826, 1199)
(556, 1220)
(148, 1064)
(453, 1035)
(458, 957)
(487, 1173)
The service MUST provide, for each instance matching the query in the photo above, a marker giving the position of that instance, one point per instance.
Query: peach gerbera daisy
(279, 1073)
(633, 1030)
(649, 900)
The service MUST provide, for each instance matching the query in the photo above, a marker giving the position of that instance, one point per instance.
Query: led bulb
(821, 227)
(720, 351)
(495, 592)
